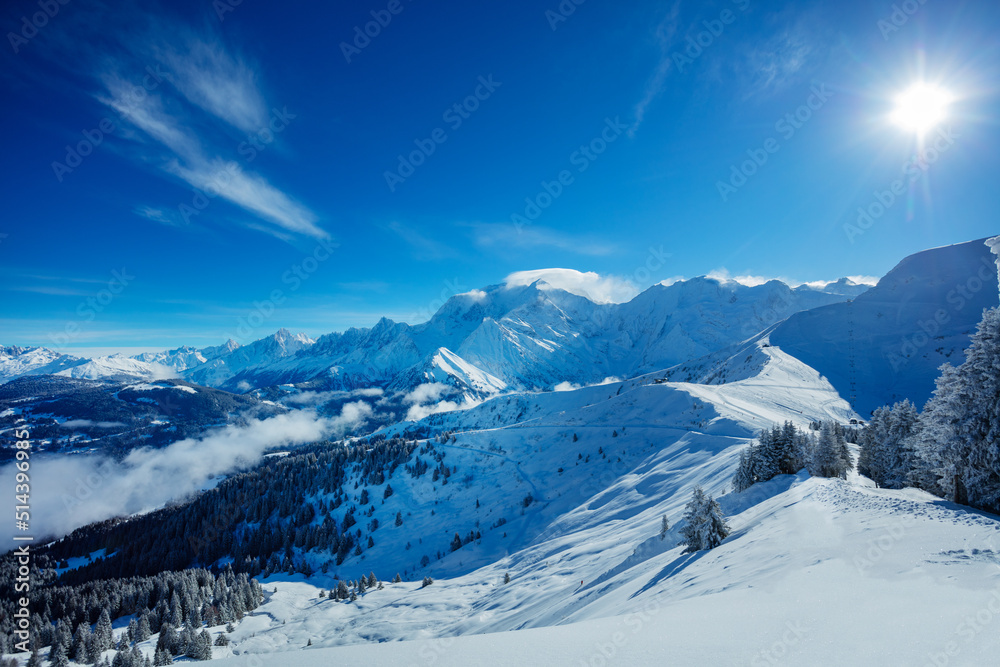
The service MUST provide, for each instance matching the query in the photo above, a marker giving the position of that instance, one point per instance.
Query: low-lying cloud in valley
(68, 492)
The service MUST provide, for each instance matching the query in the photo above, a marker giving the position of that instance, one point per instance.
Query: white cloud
(864, 280)
(665, 33)
(418, 412)
(723, 275)
(319, 397)
(566, 385)
(218, 82)
(672, 281)
(506, 237)
(208, 89)
(748, 280)
(590, 285)
(426, 393)
(73, 491)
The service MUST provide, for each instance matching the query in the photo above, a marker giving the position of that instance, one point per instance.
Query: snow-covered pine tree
(664, 527)
(57, 657)
(705, 526)
(886, 445)
(103, 632)
(828, 455)
(744, 477)
(959, 438)
(162, 657)
(767, 456)
(142, 631)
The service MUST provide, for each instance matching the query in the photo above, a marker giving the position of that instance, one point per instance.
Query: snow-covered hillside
(816, 571)
(564, 492)
(888, 343)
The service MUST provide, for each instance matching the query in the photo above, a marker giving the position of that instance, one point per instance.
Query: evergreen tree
(705, 526)
(664, 527)
(103, 632)
(456, 542)
(57, 657)
(204, 643)
(830, 457)
(959, 441)
(745, 476)
(886, 445)
(78, 652)
(142, 632)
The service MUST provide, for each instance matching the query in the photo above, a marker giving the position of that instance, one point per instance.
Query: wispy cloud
(423, 247)
(775, 63)
(216, 81)
(665, 32)
(750, 280)
(506, 237)
(162, 216)
(197, 102)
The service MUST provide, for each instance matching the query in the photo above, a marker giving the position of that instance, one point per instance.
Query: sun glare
(921, 107)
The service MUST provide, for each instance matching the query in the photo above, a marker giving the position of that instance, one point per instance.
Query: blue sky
(312, 222)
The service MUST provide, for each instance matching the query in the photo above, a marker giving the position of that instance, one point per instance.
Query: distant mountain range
(873, 344)
(481, 342)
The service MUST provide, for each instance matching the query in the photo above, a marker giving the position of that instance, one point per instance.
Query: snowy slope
(919, 316)
(818, 572)
(810, 562)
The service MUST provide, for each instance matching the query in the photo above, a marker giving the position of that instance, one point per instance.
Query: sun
(920, 107)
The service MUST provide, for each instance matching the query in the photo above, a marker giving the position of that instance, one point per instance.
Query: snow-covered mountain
(18, 362)
(888, 343)
(500, 338)
(525, 337)
(876, 345)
